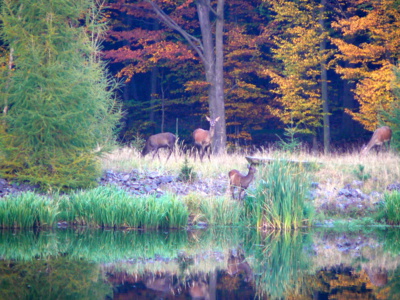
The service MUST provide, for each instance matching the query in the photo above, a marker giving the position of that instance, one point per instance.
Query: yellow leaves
(374, 93)
(196, 86)
(372, 60)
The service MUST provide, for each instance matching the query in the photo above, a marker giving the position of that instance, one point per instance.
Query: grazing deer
(380, 136)
(240, 181)
(157, 141)
(203, 138)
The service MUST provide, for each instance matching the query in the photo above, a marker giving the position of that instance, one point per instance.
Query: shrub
(187, 172)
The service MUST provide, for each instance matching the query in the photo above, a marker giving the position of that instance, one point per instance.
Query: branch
(193, 41)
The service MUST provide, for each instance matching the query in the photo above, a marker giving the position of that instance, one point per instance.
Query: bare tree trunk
(220, 129)
(324, 84)
(162, 107)
(211, 54)
(153, 95)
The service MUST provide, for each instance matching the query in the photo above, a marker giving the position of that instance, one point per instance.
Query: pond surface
(217, 263)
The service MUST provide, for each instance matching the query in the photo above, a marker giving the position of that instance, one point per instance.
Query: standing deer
(203, 138)
(240, 181)
(380, 136)
(157, 141)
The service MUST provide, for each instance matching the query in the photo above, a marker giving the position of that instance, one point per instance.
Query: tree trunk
(219, 110)
(324, 84)
(212, 57)
(153, 96)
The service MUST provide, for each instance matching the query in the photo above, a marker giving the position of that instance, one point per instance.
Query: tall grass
(221, 211)
(27, 210)
(279, 200)
(111, 207)
(390, 210)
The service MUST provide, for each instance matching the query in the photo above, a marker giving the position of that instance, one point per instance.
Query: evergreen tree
(59, 113)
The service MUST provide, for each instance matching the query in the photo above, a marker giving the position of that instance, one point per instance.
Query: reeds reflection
(217, 263)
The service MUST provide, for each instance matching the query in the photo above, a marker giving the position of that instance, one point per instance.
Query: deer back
(202, 136)
(380, 136)
(165, 139)
(238, 179)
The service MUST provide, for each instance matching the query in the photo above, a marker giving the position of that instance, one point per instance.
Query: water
(219, 263)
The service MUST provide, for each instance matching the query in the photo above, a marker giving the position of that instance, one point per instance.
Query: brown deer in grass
(240, 182)
(157, 141)
(381, 136)
(203, 138)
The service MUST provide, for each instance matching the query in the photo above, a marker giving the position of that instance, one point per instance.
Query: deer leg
(170, 152)
(388, 145)
(241, 193)
(154, 153)
(201, 153)
(233, 191)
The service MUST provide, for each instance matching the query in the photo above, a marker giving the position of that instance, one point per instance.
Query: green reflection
(94, 264)
(53, 278)
(280, 262)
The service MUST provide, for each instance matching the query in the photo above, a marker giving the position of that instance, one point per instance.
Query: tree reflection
(54, 278)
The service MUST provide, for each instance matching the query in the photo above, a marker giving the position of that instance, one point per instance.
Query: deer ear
(208, 119)
(216, 120)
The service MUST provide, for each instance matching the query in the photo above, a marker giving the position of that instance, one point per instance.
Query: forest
(323, 71)
(78, 78)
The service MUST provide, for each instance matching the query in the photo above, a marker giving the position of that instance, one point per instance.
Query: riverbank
(343, 186)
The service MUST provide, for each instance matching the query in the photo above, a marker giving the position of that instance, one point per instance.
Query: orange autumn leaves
(369, 63)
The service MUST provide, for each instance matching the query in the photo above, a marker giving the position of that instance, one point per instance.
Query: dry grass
(378, 169)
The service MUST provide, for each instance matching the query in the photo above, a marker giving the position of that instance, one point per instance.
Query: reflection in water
(209, 264)
(237, 264)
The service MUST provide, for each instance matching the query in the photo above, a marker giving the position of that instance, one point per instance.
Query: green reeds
(111, 207)
(391, 208)
(279, 200)
(221, 211)
(27, 210)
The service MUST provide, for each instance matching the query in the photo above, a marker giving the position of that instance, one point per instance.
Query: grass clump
(390, 208)
(221, 211)
(111, 207)
(279, 200)
(27, 210)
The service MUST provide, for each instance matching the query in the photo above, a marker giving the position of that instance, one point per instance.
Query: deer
(241, 182)
(203, 138)
(157, 141)
(237, 264)
(380, 137)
